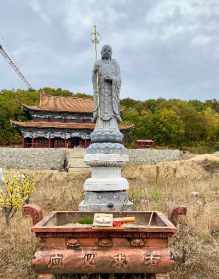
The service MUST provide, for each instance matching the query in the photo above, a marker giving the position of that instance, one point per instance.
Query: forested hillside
(192, 125)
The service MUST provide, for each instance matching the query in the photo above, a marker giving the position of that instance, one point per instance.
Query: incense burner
(67, 247)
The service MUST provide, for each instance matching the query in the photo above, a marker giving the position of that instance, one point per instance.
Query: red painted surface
(107, 260)
(34, 211)
(144, 143)
(68, 248)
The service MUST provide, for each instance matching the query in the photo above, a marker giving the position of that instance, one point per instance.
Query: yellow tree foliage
(14, 192)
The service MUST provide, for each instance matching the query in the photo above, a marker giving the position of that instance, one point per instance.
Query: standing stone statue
(106, 80)
(106, 189)
(106, 83)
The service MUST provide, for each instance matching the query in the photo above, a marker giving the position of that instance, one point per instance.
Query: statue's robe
(106, 90)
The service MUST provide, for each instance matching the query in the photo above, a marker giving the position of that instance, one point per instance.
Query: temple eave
(61, 125)
(57, 134)
(44, 109)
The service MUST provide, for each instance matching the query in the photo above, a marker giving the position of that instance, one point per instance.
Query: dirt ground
(193, 182)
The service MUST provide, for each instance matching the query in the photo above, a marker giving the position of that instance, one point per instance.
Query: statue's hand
(119, 118)
(108, 78)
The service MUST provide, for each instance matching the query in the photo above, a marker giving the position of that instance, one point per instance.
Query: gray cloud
(166, 49)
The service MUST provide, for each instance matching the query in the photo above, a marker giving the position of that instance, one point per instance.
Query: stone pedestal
(106, 189)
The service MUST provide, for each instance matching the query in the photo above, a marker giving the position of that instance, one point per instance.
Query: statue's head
(106, 52)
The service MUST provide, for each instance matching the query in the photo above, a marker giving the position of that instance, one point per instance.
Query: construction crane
(14, 66)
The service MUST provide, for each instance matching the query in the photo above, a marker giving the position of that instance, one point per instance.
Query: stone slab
(32, 158)
(54, 159)
(153, 156)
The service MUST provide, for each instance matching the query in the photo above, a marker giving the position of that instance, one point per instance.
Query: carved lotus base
(106, 148)
(107, 135)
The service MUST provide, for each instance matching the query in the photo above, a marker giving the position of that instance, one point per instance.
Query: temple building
(59, 122)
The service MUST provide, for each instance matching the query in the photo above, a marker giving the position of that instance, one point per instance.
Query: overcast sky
(165, 48)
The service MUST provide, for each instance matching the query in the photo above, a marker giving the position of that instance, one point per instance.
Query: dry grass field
(196, 245)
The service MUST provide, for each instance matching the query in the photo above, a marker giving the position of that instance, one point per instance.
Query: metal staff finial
(95, 38)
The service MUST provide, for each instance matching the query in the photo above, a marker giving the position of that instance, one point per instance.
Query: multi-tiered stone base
(106, 189)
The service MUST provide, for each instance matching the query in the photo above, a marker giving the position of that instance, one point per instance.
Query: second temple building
(59, 122)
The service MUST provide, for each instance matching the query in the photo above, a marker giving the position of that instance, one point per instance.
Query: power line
(14, 67)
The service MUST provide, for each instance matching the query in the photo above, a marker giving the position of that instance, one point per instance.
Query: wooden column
(23, 142)
(81, 143)
(32, 142)
(49, 142)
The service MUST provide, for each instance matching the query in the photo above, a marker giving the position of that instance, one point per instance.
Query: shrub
(15, 191)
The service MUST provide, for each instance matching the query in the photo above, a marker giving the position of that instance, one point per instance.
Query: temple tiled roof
(62, 125)
(63, 104)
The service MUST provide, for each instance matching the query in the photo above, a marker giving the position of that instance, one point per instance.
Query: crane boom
(14, 66)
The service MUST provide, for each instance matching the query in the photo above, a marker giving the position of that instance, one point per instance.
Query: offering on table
(103, 220)
(117, 222)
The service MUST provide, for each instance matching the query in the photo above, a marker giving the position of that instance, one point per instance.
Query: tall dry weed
(195, 256)
(17, 246)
